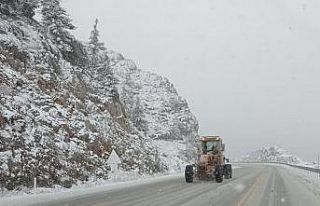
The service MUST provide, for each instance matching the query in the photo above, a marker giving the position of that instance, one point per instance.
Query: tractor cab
(211, 144)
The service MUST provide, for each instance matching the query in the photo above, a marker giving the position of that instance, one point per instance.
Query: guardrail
(310, 169)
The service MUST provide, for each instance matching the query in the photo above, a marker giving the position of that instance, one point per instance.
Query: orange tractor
(211, 162)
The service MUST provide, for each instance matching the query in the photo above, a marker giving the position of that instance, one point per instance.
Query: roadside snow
(85, 189)
(308, 178)
(172, 154)
(236, 167)
(119, 181)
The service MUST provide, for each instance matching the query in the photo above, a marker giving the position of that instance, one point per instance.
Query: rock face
(157, 111)
(153, 103)
(61, 115)
(272, 154)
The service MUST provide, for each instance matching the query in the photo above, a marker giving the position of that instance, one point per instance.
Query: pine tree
(19, 7)
(99, 63)
(96, 48)
(137, 116)
(107, 81)
(8, 7)
(94, 42)
(58, 23)
(27, 7)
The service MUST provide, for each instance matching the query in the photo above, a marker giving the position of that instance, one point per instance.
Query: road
(253, 184)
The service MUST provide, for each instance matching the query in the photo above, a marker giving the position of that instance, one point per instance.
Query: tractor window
(210, 146)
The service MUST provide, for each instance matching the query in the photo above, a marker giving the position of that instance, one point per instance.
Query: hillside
(65, 105)
(155, 108)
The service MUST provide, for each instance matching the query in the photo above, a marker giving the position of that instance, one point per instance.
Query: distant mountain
(271, 154)
(65, 105)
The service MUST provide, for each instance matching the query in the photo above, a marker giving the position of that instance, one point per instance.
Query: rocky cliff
(61, 113)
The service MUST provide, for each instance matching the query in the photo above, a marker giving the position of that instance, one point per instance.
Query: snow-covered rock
(155, 108)
(61, 116)
(153, 103)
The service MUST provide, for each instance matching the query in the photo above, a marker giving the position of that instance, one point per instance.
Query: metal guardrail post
(34, 183)
(318, 172)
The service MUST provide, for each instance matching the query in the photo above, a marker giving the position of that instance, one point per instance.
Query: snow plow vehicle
(211, 163)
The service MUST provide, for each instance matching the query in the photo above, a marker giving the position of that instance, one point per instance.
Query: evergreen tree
(99, 64)
(94, 42)
(137, 116)
(58, 23)
(19, 7)
(8, 7)
(27, 7)
(96, 48)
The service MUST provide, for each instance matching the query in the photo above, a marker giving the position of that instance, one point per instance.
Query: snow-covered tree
(8, 7)
(97, 50)
(19, 7)
(95, 44)
(137, 116)
(99, 64)
(27, 7)
(107, 81)
(58, 23)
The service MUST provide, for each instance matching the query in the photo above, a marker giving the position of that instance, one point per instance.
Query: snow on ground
(86, 189)
(236, 166)
(309, 164)
(308, 178)
(118, 177)
(172, 154)
(116, 182)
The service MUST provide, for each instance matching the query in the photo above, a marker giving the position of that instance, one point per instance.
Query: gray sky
(249, 69)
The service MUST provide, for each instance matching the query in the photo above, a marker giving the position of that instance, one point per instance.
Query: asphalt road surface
(252, 184)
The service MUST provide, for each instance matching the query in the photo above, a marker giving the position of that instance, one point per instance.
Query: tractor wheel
(227, 171)
(189, 173)
(218, 173)
(219, 178)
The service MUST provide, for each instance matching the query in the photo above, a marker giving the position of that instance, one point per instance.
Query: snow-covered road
(253, 184)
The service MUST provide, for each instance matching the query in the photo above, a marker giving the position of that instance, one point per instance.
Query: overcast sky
(249, 69)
